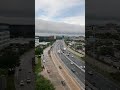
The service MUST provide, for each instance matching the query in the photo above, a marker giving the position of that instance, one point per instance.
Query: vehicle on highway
(71, 62)
(67, 54)
(21, 83)
(60, 67)
(43, 61)
(90, 72)
(63, 83)
(28, 80)
(48, 71)
(83, 67)
(64, 48)
(58, 51)
(72, 70)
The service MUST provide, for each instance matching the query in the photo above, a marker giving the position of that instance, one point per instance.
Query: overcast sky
(60, 16)
(102, 10)
(17, 12)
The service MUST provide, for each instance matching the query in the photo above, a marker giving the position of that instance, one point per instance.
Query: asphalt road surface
(96, 79)
(25, 72)
(79, 73)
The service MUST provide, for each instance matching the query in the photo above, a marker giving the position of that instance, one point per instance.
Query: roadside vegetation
(41, 82)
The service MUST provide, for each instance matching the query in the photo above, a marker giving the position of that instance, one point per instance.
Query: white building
(4, 38)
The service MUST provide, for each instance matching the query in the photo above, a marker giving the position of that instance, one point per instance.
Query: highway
(25, 72)
(79, 73)
(96, 80)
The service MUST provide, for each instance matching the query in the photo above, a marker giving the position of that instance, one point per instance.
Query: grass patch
(38, 67)
(41, 83)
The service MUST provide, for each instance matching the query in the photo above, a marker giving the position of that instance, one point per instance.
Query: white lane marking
(73, 62)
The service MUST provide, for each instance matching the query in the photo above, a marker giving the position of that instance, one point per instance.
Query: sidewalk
(53, 76)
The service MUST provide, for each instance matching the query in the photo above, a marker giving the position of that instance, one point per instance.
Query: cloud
(54, 10)
(56, 16)
(78, 20)
(43, 26)
(52, 7)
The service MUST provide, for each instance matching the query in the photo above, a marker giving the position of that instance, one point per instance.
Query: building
(4, 35)
(4, 39)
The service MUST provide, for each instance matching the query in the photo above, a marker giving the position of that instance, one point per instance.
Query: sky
(60, 16)
(98, 11)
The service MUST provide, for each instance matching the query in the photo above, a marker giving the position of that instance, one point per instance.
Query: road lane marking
(74, 63)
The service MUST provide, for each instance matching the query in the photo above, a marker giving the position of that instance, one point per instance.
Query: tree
(9, 59)
(38, 51)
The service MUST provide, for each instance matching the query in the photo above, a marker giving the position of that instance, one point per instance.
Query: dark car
(60, 67)
(63, 83)
(72, 70)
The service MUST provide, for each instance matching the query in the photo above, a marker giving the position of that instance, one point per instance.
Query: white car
(44, 61)
(83, 67)
(71, 62)
(21, 83)
(72, 56)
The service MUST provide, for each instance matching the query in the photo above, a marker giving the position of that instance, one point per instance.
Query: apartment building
(4, 38)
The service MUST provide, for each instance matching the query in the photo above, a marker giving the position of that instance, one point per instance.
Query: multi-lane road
(24, 72)
(77, 68)
(72, 63)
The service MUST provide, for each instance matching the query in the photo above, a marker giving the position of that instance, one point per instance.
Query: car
(43, 61)
(58, 51)
(29, 72)
(67, 54)
(72, 70)
(60, 67)
(21, 83)
(83, 67)
(71, 62)
(63, 83)
(90, 73)
(72, 56)
(64, 48)
(28, 80)
(48, 71)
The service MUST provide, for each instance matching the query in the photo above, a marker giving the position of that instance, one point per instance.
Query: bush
(43, 84)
